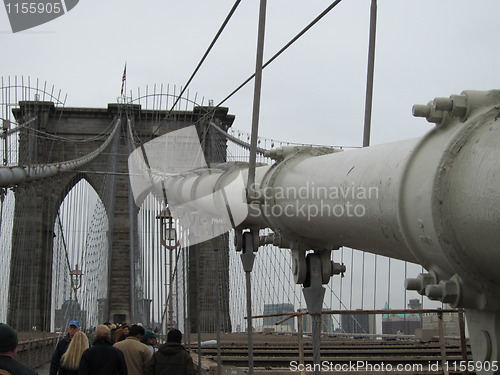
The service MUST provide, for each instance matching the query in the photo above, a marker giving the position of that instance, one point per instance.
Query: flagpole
(125, 89)
(124, 83)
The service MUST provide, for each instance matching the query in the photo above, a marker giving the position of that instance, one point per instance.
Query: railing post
(300, 339)
(463, 339)
(442, 343)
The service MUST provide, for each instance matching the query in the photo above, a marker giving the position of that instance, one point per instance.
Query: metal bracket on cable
(250, 246)
(313, 270)
(314, 294)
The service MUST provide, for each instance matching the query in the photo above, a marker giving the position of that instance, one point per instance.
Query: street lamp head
(164, 214)
(76, 277)
(168, 230)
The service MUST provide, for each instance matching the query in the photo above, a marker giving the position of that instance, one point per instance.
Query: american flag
(124, 77)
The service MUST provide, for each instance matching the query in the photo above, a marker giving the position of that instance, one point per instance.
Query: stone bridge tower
(37, 207)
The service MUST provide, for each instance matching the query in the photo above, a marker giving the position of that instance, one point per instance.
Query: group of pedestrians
(135, 354)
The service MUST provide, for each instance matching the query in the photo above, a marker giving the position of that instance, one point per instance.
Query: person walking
(172, 358)
(124, 333)
(150, 339)
(137, 355)
(119, 331)
(70, 360)
(72, 328)
(8, 353)
(102, 358)
(112, 330)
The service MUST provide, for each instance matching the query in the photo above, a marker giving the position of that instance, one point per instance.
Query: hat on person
(75, 323)
(174, 335)
(8, 338)
(149, 334)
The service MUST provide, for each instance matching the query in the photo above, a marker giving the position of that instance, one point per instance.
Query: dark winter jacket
(102, 359)
(9, 365)
(171, 359)
(61, 348)
(65, 371)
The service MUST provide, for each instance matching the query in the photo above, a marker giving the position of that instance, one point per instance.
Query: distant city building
(430, 321)
(279, 308)
(358, 323)
(402, 323)
(326, 323)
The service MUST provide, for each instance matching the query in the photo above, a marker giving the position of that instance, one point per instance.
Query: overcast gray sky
(313, 93)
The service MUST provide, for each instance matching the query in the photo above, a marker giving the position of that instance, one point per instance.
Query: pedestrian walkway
(43, 370)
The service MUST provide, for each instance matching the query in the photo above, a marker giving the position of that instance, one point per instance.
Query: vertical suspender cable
(217, 309)
(363, 281)
(369, 95)
(198, 306)
(375, 284)
(257, 92)
(370, 73)
(253, 157)
(389, 284)
(177, 250)
(186, 299)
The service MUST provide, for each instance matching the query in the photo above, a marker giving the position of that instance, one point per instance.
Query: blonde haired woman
(70, 361)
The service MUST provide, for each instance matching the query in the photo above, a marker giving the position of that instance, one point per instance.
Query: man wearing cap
(149, 339)
(62, 346)
(8, 353)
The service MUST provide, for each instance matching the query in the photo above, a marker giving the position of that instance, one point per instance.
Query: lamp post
(76, 276)
(168, 238)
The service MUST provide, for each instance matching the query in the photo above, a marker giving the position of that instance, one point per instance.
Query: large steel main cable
(12, 176)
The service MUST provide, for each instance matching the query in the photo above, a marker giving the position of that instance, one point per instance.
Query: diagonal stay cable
(236, 140)
(276, 55)
(66, 254)
(224, 24)
(293, 40)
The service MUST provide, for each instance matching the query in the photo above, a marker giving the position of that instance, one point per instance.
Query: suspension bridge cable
(236, 140)
(274, 57)
(205, 55)
(293, 40)
(228, 17)
(11, 176)
(104, 134)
